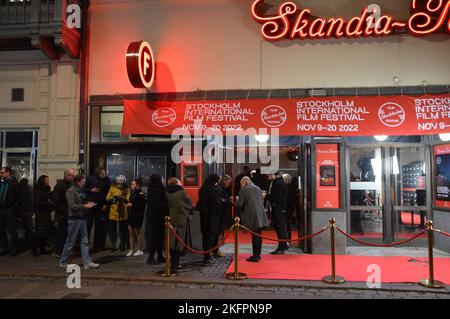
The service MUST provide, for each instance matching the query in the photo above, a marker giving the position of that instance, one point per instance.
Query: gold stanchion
(236, 275)
(167, 272)
(333, 279)
(430, 282)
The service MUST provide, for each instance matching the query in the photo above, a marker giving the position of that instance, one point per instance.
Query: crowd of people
(118, 211)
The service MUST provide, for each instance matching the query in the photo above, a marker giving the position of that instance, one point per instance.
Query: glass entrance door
(388, 195)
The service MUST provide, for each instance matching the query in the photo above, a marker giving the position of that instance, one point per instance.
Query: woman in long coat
(210, 208)
(157, 209)
(43, 207)
(180, 206)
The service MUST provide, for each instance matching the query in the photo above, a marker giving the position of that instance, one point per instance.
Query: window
(17, 95)
(19, 139)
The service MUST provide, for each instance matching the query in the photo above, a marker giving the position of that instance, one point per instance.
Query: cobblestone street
(25, 276)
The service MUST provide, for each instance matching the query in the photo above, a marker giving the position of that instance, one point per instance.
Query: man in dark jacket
(253, 215)
(277, 197)
(61, 209)
(9, 202)
(97, 187)
(210, 209)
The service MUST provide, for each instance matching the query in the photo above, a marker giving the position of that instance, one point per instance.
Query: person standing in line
(292, 202)
(277, 197)
(43, 208)
(25, 209)
(97, 187)
(180, 205)
(119, 199)
(225, 204)
(253, 215)
(136, 218)
(61, 210)
(78, 208)
(157, 209)
(210, 209)
(9, 202)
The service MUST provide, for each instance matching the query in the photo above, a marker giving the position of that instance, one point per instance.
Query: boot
(161, 258)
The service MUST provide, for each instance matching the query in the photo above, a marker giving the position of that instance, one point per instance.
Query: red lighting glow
(276, 27)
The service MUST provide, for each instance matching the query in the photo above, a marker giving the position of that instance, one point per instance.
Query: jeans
(76, 226)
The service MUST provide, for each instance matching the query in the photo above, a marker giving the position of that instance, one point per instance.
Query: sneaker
(91, 265)
(130, 253)
(219, 254)
(138, 253)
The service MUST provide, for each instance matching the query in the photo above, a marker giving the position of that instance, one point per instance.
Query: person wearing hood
(157, 209)
(210, 208)
(180, 205)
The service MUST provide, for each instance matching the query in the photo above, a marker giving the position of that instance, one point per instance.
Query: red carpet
(380, 236)
(352, 268)
(246, 238)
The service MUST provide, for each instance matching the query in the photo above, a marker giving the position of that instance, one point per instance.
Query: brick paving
(117, 269)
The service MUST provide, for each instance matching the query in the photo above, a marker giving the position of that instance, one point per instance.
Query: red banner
(330, 116)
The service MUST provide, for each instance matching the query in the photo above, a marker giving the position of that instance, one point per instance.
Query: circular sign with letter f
(140, 64)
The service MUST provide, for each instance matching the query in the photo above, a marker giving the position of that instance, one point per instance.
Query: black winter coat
(43, 208)
(60, 201)
(12, 199)
(278, 195)
(137, 199)
(211, 209)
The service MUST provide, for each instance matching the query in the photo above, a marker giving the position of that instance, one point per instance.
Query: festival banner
(328, 116)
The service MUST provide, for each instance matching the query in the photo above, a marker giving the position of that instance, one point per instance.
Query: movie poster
(327, 176)
(442, 175)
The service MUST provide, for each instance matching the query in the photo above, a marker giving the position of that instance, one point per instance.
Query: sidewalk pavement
(116, 267)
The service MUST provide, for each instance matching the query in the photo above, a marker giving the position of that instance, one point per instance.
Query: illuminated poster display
(442, 175)
(327, 176)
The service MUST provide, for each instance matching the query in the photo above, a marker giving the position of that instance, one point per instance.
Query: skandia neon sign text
(140, 64)
(291, 22)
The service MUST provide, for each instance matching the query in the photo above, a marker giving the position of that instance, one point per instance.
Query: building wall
(50, 105)
(216, 44)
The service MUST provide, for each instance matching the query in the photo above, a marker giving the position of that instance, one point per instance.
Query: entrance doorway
(388, 192)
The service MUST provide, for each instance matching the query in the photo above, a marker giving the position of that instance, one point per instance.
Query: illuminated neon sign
(294, 23)
(140, 64)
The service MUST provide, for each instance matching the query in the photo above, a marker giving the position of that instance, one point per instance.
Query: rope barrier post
(236, 275)
(430, 282)
(167, 272)
(333, 279)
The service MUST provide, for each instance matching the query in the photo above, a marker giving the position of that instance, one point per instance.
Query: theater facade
(351, 99)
